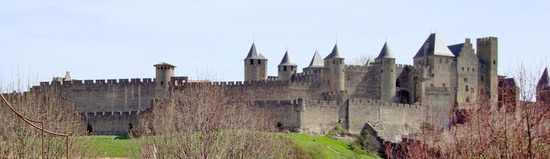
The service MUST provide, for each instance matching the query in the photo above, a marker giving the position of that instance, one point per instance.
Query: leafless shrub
(487, 133)
(210, 122)
(20, 140)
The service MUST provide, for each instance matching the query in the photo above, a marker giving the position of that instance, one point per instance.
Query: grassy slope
(324, 147)
(314, 146)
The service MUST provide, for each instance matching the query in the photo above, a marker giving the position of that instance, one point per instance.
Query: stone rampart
(390, 120)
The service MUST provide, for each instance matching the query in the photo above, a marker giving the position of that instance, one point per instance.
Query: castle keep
(383, 96)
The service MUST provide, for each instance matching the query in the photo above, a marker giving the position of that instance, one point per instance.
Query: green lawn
(111, 146)
(324, 147)
(313, 146)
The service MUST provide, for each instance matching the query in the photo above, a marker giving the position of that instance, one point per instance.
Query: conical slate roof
(335, 54)
(435, 47)
(253, 54)
(386, 52)
(316, 61)
(544, 81)
(287, 61)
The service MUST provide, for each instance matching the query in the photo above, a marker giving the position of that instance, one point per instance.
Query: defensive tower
(543, 87)
(287, 68)
(164, 73)
(334, 70)
(487, 52)
(255, 65)
(386, 60)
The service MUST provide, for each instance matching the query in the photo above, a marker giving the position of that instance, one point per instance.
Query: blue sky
(209, 39)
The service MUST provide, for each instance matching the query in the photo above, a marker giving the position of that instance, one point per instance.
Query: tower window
(494, 62)
(161, 82)
(462, 68)
(251, 62)
(260, 62)
(473, 70)
(467, 89)
(444, 85)
(465, 79)
(284, 68)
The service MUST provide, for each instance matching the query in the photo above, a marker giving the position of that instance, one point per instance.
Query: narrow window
(467, 89)
(444, 85)
(251, 62)
(462, 68)
(494, 62)
(260, 62)
(465, 79)
(161, 82)
(284, 68)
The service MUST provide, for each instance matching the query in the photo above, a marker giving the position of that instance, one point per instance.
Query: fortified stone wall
(320, 116)
(268, 90)
(390, 120)
(285, 113)
(362, 81)
(111, 123)
(111, 95)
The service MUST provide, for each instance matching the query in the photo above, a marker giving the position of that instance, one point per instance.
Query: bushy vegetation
(20, 140)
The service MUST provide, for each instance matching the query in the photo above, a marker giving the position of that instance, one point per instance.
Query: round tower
(386, 60)
(287, 68)
(334, 72)
(255, 65)
(164, 73)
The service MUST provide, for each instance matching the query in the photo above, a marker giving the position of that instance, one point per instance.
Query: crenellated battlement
(358, 68)
(322, 104)
(246, 84)
(487, 40)
(270, 104)
(100, 82)
(401, 66)
(379, 103)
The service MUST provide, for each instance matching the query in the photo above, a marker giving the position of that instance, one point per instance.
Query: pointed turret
(316, 61)
(255, 65)
(544, 80)
(253, 53)
(386, 52)
(435, 47)
(543, 87)
(287, 61)
(334, 71)
(335, 54)
(386, 61)
(287, 68)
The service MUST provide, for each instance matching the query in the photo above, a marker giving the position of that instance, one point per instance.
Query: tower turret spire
(287, 68)
(386, 52)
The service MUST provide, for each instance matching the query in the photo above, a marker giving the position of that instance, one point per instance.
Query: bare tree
(20, 140)
(206, 121)
(487, 133)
